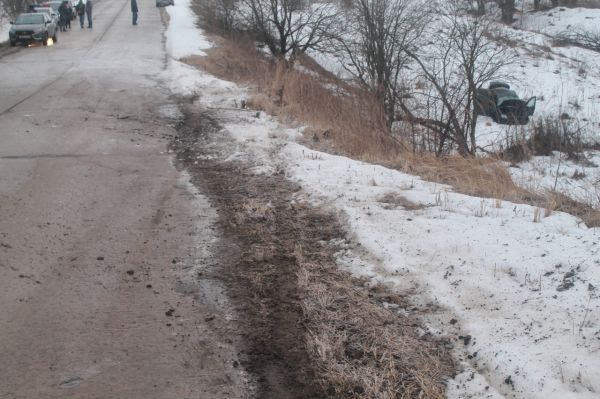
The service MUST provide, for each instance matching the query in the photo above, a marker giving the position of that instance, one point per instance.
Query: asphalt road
(100, 235)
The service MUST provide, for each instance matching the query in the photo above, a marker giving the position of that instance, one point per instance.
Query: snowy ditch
(519, 287)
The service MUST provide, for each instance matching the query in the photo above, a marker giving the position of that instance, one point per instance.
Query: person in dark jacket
(62, 16)
(69, 13)
(80, 9)
(88, 11)
(134, 11)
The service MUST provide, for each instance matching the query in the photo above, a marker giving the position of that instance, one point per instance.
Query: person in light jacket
(134, 11)
(88, 11)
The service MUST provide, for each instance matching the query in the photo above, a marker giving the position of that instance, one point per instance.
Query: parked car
(503, 105)
(32, 27)
(164, 3)
(52, 4)
(48, 10)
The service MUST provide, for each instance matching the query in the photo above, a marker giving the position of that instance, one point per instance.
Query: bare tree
(464, 57)
(579, 37)
(288, 27)
(13, 7)
(480, 7)
(373, 46)
(222, 15)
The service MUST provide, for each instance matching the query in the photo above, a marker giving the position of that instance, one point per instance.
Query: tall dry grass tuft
(481, 177)
(363, 349)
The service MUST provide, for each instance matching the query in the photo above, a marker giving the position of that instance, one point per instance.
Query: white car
(48, 10)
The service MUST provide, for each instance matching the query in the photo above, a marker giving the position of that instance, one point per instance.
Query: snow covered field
(580, 181)
(556, 21)
(517, 288)
(567, 80)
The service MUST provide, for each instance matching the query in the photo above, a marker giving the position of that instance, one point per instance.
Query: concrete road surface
(100, 236)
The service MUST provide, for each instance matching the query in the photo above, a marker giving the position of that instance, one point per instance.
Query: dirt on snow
(309, 329)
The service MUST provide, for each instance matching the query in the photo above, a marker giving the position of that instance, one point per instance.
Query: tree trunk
(508, 8)
(480, 7)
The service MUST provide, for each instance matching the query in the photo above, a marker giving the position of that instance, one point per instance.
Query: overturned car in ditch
(503, 105)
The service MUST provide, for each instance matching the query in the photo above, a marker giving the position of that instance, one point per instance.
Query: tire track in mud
(258, 263)
(280, 274)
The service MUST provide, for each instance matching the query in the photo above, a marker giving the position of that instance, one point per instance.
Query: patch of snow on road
(186, 80)
(4, 27)
(183, 38)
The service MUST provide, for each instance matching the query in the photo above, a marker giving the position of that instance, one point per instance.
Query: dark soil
(260, 269)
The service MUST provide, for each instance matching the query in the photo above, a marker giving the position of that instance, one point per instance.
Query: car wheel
(13, 44)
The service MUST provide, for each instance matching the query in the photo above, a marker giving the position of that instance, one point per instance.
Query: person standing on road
(80, 8)
(69, 13)
(88, 12)
(134, 11)
(62, 16)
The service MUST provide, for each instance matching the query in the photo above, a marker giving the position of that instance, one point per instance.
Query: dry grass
(555, 201)
(365, 350)
(353, 121)
(394, 200)
(348, 121)
(481, 177)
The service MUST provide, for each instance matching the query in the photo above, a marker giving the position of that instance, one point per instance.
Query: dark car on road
(32, 27)
(503, 105)
(164, 3)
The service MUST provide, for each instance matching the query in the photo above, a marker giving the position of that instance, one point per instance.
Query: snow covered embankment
(184, 39)
(566, 80)
(519, 288)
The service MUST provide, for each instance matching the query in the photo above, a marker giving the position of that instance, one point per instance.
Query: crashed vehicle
(503, 105)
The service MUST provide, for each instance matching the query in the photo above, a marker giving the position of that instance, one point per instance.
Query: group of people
(82, 9)
(65, 13)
